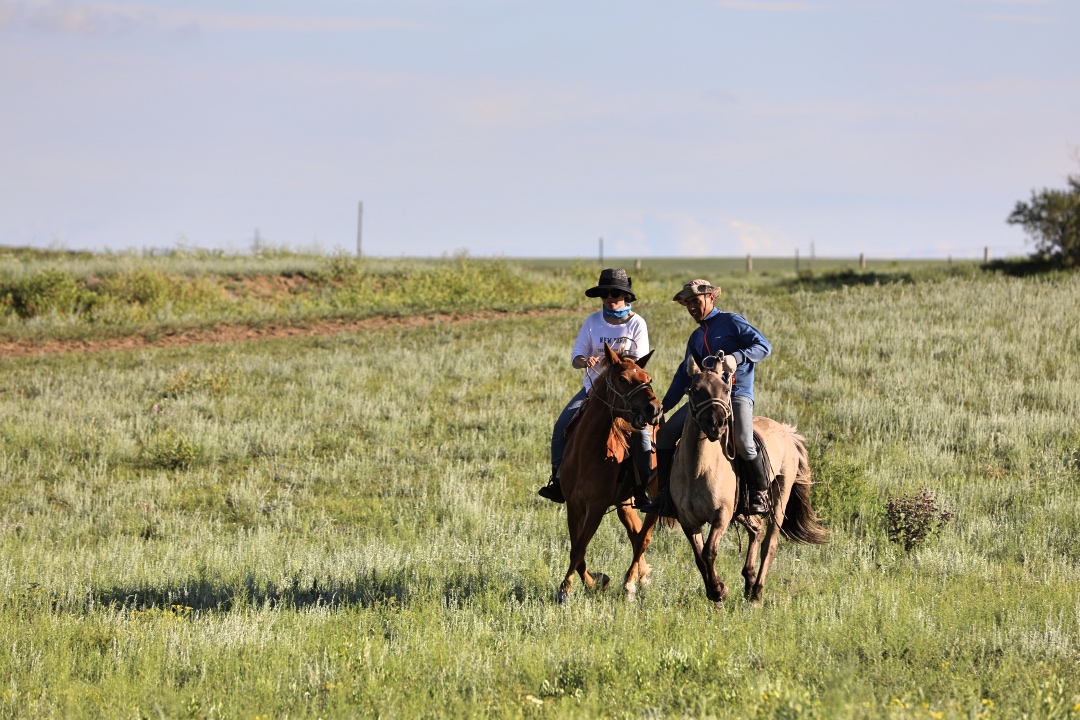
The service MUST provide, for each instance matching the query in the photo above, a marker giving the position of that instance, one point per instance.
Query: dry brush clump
(912, 519)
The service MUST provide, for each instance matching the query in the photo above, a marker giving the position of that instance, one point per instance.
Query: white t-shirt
(631, 338)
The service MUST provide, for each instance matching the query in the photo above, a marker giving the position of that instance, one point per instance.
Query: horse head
(709, 395)
(628, 381)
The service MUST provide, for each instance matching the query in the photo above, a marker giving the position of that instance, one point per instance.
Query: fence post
(986, 254)
(862, 261)
(637, 265)
(749, 264)
(601, 252)
(796, 261)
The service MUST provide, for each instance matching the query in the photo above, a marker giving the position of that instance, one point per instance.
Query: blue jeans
(558, 434)
(743, 410)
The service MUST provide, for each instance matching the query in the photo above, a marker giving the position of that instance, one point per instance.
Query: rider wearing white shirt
(626, 333)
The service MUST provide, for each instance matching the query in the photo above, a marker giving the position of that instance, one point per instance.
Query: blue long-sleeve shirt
(731, 333)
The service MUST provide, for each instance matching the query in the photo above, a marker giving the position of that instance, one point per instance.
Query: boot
(757, 489)
(662, 504)
(643, 465)
(552, 491)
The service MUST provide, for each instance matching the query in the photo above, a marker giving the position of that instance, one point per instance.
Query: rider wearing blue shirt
(743, 346)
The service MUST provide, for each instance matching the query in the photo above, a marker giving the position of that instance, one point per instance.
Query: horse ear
(644, 359)
(612, 358)
(692, 368)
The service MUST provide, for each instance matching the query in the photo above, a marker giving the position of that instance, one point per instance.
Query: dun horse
(703, 483)
(620, 399)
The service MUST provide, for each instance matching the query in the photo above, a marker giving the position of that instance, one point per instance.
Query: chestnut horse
(621, 399)
(703, 482)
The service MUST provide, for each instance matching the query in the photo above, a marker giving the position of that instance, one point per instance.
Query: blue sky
(684, 127)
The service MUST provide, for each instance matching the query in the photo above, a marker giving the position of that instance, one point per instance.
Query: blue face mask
(617, 314)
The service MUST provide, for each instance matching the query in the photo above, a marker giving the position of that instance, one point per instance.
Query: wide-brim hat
(612, 279)
(696, 287)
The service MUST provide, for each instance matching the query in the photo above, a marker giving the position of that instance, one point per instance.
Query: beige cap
(696, 287)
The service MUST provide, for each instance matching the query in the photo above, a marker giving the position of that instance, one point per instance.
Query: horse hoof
(755, 595)
(631, 594)
(562, 596)
(723, 592)
(601, 581)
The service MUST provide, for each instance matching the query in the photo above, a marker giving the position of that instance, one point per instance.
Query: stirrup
(757, 503)
(552, 491)
(661, 506)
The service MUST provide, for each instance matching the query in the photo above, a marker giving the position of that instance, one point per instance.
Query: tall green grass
(347, 526)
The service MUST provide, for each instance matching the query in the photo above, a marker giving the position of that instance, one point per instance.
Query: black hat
(612, 279)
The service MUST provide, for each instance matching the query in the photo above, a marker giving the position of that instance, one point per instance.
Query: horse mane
(618, 438)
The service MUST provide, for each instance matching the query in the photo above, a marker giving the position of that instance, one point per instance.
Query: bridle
(698, 410)
(626, 408)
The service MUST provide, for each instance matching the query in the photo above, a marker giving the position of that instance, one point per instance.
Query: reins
(627, 408)
(698, 410)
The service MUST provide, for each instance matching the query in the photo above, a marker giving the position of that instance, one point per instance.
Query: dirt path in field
(228, 334)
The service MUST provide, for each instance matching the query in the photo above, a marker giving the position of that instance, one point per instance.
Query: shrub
(842, 495)
(912, 519)
(172, 451)
(213, 380)
(141, 287)
(48, 290)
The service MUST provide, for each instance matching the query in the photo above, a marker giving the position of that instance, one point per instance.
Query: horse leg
(719, 524)
(589, 522)
(639, 539)
(646, 538)
(768, 551)
(753, 537)
(575, 520)
(694, 536)
(697, 545)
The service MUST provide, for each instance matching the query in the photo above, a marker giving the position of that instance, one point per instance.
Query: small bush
(213, 380)
(46, 291)
(172, 451)
(141, 287)
(841, 495)
(912, 519)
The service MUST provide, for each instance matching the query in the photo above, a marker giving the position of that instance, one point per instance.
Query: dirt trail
(227, 334)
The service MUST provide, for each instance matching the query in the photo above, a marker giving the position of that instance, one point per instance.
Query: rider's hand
(589, 362)
(730, 364)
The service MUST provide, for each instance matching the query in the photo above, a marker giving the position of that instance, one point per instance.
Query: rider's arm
(754, 346)
(582, 346)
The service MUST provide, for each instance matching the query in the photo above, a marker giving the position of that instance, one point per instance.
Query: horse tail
(801, 523)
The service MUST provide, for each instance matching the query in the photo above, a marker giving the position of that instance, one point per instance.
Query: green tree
(1052, 219)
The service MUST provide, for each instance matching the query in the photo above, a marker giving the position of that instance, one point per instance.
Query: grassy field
(348, 526)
